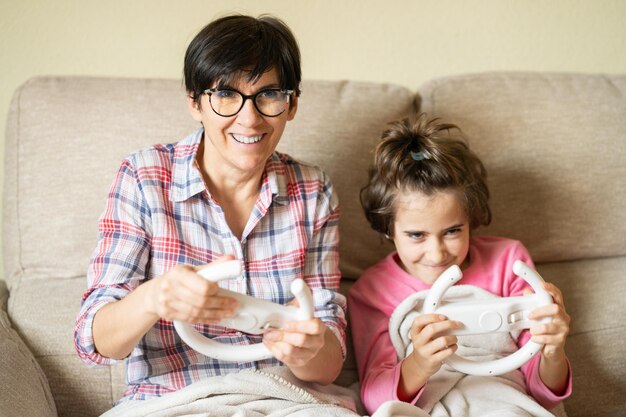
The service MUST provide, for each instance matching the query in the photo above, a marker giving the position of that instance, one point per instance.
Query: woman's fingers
(182, 294)
(298, 342)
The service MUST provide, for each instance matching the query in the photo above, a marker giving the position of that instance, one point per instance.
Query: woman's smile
(246, 139)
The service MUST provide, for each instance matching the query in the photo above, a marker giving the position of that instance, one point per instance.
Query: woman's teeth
(247, 139)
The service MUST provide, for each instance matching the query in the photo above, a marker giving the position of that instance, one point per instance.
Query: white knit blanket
(274, 392)
(451, 393)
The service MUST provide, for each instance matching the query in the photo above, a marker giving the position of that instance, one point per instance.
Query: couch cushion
(25, 390)
(43, 312)
(554, 148)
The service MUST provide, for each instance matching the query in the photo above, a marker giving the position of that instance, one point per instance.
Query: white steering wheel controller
(253, 316)
(489, 316)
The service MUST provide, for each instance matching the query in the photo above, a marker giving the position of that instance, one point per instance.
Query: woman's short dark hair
(426, 156)
(232, 44)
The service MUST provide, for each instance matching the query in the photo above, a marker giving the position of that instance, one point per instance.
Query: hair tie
(418, 156)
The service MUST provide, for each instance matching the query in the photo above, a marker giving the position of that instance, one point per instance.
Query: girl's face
(431, 233)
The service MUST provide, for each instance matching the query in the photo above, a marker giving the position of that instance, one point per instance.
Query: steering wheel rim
(497, 366)
(218, 350)
(243, 353)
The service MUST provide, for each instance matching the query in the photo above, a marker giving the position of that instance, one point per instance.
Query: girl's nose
(437, 252)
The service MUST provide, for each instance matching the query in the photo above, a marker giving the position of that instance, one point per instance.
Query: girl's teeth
(247, 139)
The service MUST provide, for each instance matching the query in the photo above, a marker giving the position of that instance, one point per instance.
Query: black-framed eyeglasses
(271, 102)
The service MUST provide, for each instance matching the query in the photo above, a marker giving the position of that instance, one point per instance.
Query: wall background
(400, 41)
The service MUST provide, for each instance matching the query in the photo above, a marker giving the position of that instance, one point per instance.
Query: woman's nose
(249, 116)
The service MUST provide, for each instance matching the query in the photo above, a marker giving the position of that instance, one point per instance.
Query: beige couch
(554, 145)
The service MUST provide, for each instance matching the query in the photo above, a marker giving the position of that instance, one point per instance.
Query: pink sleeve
(514, 286)
(535, 386)
(377, 362)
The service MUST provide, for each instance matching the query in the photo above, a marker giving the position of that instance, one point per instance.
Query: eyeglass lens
(268, 102)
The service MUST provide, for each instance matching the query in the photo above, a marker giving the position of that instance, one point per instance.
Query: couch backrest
(67, 136)
(555, 150)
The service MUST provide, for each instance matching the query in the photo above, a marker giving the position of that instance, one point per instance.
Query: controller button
(490, 321)
(516, 317)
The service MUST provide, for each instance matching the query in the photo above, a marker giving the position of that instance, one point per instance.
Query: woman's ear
(293, 107)
(194, 108)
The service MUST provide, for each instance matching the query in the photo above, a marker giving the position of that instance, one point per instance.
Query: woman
(221, 193)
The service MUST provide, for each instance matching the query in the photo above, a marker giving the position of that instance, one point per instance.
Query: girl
(427, 192)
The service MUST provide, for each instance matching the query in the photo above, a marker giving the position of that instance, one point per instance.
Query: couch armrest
(25, 390)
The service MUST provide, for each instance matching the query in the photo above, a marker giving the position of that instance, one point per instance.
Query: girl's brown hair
(426, 156)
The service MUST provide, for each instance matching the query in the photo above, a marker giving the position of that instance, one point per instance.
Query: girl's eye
(454, 231)
(415, 235)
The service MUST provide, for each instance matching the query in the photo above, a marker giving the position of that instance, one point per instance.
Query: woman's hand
(308, 348)
(298, 342)
(554, 334)
(181, 294)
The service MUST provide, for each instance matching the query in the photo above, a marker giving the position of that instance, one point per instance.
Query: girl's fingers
(430, 326)
(550, 310)
(440, 344)
(550, 339)
(554, 291)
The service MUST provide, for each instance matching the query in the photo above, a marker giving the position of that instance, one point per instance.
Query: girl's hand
(554, 334)
(181, 294)
(430, 346)
(297, 343)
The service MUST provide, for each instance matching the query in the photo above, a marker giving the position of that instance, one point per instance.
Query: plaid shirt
(159, 214)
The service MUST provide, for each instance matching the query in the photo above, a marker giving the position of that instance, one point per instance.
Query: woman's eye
(225, 93)
(268, 94)
(453, 232)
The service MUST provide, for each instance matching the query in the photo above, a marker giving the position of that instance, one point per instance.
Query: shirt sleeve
(534, 385)
(322, 263)
(118, 264)
(377, 362)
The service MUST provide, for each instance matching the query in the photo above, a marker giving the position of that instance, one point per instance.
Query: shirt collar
(274, 179)
(187, 180)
